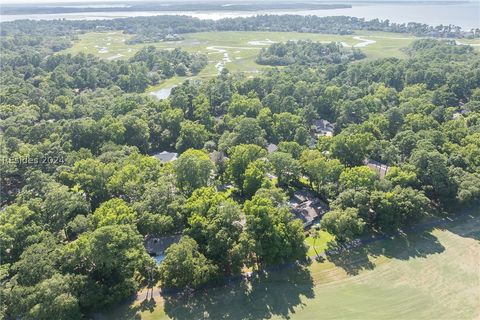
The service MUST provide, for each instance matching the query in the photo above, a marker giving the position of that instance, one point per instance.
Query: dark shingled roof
(307, 207)
(156, 246)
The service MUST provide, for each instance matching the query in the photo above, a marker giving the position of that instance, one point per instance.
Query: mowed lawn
(431, 273)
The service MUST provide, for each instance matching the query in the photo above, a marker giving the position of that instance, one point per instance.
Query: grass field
(432, 273)
(237, 50)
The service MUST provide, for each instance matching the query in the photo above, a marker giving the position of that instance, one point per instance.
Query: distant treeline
(56, 35)
(42, 9)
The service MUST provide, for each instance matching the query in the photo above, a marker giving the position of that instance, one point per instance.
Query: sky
(130, 1)
(58, 1)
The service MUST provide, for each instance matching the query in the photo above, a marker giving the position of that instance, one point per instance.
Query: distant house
(173, 37)
(379, 168)
(217, 156)
(459, 114)
(165, 156)
(272, 148)
(157, 246)
(322, 127)
(102, 28)
(307, 207)
(224, 187)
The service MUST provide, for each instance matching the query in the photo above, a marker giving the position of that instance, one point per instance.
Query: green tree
(357, 178)
(17, 230)
(247, 131)
(241, 156)
(403, 177)
(398, 208)
(344, 224)
(92, 176)
(109, 257)
(113, 211)
(432, 171)
(241, 105)
(286, 168)
(53, 298)
(255, 178)
(193, 170)
(192, 136)
(184, 266)
(351, 149)
(291, 147)
(277, 237)
(219, 236)
(136, 132)
(322, 172)
(285, 126)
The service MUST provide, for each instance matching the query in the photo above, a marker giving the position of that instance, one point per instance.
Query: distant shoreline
(465, 14)
(61, 9)
(108, 6)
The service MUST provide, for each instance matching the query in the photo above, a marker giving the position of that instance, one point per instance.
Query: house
(272, 148)
(157, 246)
(173, 37)
(165, 156)
(217, 156)
(102, 28)
(307, 207)
(322, 127)
(379, 168)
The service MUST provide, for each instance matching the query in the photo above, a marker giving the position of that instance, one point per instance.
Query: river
(463, 14)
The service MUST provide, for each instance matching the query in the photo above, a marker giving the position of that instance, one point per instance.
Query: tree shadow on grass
(352, 260)
(128, 310)
(268, 294)
(124, 311)
(403, 246)
(465, 224)
(355, 256)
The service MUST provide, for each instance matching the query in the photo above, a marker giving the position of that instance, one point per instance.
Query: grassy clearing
(429, 274)
(238, 50)
(320, 244)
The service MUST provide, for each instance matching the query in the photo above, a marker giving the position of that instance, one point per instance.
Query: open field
(237, 50)
(431, 273)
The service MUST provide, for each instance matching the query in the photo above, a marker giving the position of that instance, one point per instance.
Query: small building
(157, 246)
(102, 28)
(380, 168)
(322, 127)
(272, 148)
(307, 207)
(217, 156)
(173, 37)
(166, 156)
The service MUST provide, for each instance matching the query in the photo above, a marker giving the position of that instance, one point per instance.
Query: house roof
(322, 124)
(272, 148)
(165, 156)
(157, 246)
(380, 168)
(307, 207)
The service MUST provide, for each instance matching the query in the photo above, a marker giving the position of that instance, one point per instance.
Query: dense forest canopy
(80, 191)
